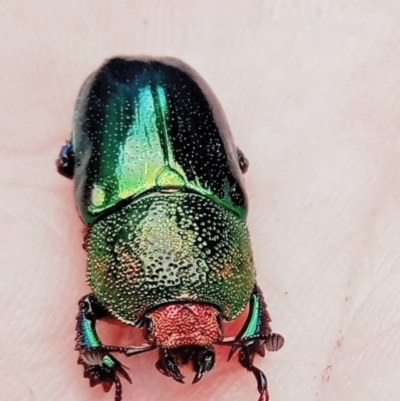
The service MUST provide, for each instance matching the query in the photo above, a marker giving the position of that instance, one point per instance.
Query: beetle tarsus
(118, 389)
(203, 361)
(167, 364)
(246, 358)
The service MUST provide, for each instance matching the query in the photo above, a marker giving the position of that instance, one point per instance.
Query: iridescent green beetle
(158, 183)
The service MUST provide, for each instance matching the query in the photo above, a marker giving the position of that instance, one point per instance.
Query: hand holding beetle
(158, 183)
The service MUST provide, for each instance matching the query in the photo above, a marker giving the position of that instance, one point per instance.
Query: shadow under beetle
(158, 183)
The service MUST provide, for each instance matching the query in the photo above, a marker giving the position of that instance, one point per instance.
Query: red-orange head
(181, 325)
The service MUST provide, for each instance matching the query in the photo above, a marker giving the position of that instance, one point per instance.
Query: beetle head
(184, 333)
(182, 325)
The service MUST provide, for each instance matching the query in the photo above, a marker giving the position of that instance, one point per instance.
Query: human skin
(312, 94)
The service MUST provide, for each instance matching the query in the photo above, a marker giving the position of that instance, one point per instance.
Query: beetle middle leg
(100, 367)
(256, 336)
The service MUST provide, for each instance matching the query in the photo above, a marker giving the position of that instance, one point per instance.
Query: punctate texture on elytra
(145, 124)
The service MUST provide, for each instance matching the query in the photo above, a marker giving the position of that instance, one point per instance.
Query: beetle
(158, 183)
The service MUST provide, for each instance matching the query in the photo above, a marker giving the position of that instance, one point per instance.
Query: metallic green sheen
(108, 361)
(254, 318)
(90, 336)
(178, 247)
(148, 126)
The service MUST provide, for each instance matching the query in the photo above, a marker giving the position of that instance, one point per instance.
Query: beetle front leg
(256, 336)
(203, 361)
(167, 364)
(99, 366)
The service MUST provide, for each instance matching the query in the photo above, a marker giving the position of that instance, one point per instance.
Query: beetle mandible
(158, 183)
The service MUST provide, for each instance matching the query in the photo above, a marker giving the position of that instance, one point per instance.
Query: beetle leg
(243, 161)
(203, 361)
(99, 366)
(257, 326)
(256, 336)
(65, 161)
(167, 364)
(246, 357)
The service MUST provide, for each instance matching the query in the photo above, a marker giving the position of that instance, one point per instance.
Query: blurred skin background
(312, 93)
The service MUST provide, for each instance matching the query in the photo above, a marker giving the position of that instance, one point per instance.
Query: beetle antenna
(131, 351)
